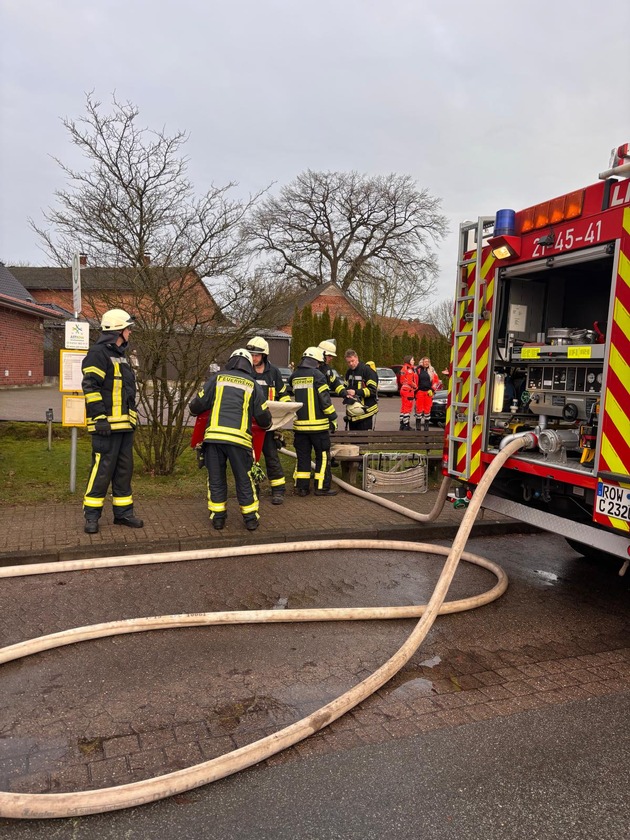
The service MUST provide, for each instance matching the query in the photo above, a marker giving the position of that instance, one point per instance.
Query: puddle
(281, 604)
(431, 663)
(548, 577)
(416, 687)
(249, 711)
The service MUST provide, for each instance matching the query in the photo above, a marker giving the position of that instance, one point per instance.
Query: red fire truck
(541, 348)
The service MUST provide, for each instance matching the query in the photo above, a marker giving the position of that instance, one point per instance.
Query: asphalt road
(30, 404)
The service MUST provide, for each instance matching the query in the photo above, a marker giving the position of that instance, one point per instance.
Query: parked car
(285, 373)
(387, 382)
(438, 408)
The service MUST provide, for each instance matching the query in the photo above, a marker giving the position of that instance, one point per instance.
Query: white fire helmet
(258, 345)
(117, 320)
(329, 346)
(314, 353)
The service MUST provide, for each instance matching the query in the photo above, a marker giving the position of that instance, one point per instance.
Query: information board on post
(70, 373)
(72, 410)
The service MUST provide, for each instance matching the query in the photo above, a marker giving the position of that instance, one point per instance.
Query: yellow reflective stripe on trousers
(319, 476)
(216, 507)
(122, 501)
(253, 508)
(91, 501)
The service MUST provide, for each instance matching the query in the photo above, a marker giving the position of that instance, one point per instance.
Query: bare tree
(133, 200)
(370, 235)
(441, 316)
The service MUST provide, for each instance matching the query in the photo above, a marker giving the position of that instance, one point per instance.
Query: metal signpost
(70, 375)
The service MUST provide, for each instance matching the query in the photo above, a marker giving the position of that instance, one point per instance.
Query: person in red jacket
(408, 388)
(428, 382)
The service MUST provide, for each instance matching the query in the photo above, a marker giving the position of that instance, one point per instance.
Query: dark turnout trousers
(112, 463)
(320, 443)
(216, 457)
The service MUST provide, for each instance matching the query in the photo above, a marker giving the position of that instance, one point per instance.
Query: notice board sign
(72, 410)
(70, 374)
(77, 335)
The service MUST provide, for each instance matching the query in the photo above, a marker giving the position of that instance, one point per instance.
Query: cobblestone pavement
(129, 707)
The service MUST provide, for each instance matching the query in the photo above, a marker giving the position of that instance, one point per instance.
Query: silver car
(387, 383)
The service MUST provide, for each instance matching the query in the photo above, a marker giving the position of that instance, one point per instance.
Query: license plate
(613, 501)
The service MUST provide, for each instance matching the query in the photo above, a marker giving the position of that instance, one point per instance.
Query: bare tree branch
(133, 199)
(371, 236)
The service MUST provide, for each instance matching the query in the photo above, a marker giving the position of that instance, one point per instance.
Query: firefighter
(428, 382)
(335, 382)
(362, 384)
(408, 388)
(233, 398)
(312, 425)
(270, 380)
(109, 386)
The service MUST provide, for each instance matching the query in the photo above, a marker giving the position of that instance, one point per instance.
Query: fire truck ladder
(465, 405)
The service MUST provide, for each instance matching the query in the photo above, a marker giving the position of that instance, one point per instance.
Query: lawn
(31, 474)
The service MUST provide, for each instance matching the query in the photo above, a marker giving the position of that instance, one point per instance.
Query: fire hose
(47, 806)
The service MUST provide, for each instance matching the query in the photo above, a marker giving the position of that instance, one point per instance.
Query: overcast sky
(488, 105)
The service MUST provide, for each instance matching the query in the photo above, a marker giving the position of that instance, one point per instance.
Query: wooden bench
(428, 443)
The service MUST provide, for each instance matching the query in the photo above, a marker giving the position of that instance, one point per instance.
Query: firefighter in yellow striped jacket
(233, 398)
(109, 386)
(270, 380)
(312, 424)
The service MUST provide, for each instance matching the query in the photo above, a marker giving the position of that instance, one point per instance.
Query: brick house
(102, 289)
(22, 322)
(398, 326)
(325, 295)
(331, 296)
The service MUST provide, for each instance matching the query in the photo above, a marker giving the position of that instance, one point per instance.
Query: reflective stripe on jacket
(270, 380)
(309, 386)
(335, 382)
(109, 385)
(364, 381)
(233, 399)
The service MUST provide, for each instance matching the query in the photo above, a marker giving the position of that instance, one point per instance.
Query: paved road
(31, 404)
(510, 722)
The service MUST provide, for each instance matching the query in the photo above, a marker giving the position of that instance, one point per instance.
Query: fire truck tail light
(552, 212)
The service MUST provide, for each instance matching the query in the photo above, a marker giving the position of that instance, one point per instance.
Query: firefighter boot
(218, 522)
(129, 520)
(251, 524)
(402, 425)
(277, 498)
(91, 526)
(418, 422)
(329, 492)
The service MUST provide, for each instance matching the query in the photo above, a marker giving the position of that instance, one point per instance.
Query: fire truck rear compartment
(547, 371)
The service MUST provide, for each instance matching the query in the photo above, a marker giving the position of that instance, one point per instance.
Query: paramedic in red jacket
(428, 382)
(408, 388)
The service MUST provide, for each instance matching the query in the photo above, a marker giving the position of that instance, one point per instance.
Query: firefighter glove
(429, 393)
(102, 427)
(333, 425)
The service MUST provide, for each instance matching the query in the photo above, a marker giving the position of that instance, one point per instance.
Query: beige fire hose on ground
(46, 805)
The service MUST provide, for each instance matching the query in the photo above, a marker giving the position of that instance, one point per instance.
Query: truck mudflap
(612, 501)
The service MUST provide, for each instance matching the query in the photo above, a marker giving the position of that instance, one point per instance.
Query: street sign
(77, 335)
(78, 261)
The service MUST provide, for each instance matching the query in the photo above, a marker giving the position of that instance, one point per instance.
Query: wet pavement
(508, 722)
